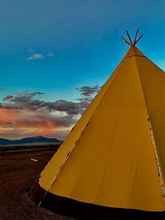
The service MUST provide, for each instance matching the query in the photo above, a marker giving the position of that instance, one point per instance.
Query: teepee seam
(150, 127)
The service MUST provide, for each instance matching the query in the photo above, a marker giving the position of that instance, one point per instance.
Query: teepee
(114, 157)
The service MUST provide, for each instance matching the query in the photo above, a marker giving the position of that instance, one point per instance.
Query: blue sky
(54, 47)
(84, 37)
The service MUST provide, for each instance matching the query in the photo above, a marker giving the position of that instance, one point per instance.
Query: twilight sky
(55, 54)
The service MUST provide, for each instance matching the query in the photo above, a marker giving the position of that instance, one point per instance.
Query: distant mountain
(38, 140)
(4, 141)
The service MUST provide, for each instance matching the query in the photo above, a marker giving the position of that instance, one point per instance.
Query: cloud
(24, 96)
(36, 56)
(23, 122)
(31, 101)
(39, 56)
(86, 94)
(71, 108)
(27, 114)
(24, 100)
(88, 90)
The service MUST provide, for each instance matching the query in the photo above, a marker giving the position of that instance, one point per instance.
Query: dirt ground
(18, 172)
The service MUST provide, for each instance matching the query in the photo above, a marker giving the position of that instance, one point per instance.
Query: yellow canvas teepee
(115, 154)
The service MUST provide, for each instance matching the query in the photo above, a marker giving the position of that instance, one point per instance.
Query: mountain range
(38, 140)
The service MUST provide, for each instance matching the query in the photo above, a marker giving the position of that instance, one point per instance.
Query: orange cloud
(16, 123)
(26, 114)
(7, 115)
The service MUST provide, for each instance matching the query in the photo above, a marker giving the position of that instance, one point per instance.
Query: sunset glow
(55, 55)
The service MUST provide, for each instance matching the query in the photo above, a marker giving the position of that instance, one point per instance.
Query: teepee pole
(129, 37)
(132, 42)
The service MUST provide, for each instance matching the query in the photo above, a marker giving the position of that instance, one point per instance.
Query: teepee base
(85, 211)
